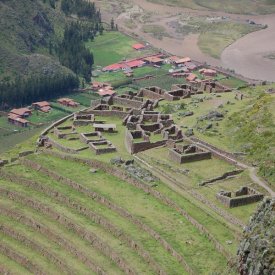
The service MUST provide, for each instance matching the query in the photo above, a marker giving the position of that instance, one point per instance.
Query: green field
(113, 47)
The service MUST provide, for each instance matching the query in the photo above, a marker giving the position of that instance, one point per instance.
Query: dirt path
(252, 170)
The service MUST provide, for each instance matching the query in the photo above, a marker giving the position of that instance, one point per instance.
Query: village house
(112, 68)
(68, 102)
(99, 85)
(154, 60)
(172, 59)
(136, 63)
(191, 77)
(106, 92)
(17, 120)
(138, 46)
(21, 112)
(42, 106)
(208, 72)
(182, 61)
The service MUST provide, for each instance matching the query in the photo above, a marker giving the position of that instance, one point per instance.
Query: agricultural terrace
(127, 210)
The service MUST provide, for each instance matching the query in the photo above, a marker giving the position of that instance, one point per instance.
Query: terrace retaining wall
(185, 158)
(146, 188)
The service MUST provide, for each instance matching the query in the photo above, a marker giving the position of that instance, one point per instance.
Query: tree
(112, 24)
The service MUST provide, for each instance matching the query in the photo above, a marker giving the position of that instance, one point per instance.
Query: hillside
(28, 30)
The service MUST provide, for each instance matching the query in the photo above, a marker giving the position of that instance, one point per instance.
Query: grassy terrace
(147, 208)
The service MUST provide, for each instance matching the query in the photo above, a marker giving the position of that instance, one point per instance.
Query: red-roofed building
(191, 77)
(68, 102)
(182, 61)
(173, 59)
(21, 112)
(112, 68)
(208, 72)
(155, 60)
(42, 106)
(106, 92)
(138, 46)
(98, 85)
(17, 120)
(133, 64)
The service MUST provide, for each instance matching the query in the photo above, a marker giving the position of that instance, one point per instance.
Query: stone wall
(88, 236)
(90, 137)
(135, 147)
(64, 148)
(148, 189)
(94, 217)
(185, 158)
(218, 153)
(177, 94)
(102, 147)
(104, 201)
(127, 102)
(243, 196)
(152, 93)
(109, 113)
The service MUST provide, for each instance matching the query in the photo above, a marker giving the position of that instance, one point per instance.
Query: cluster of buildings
(103, 89)
(18, 116)
(68, 102)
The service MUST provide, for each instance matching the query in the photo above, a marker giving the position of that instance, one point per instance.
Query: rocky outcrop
(257, 251)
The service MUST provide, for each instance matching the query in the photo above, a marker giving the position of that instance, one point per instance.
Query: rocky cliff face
(257, 250)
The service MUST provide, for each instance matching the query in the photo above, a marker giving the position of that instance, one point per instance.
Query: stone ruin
(177, 94)
(172, 133)
(91, 137)
(214, 87)
(83, 119)
(152, 92)
(66, 132)
(193, 88)
(102, 147)
(180, 153)
(243, 196)
(138, 141)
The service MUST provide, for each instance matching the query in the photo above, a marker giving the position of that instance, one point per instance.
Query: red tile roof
(134, 63)
(183, 60)
(191, 77)
(112, 67)
(21, 111)
(153, 59)
(45, 109)
(17, 118)
(138, 46)
(173, 58)
(42, 104)
(104, 92)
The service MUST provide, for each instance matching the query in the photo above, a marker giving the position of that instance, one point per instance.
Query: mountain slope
(29, 29)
